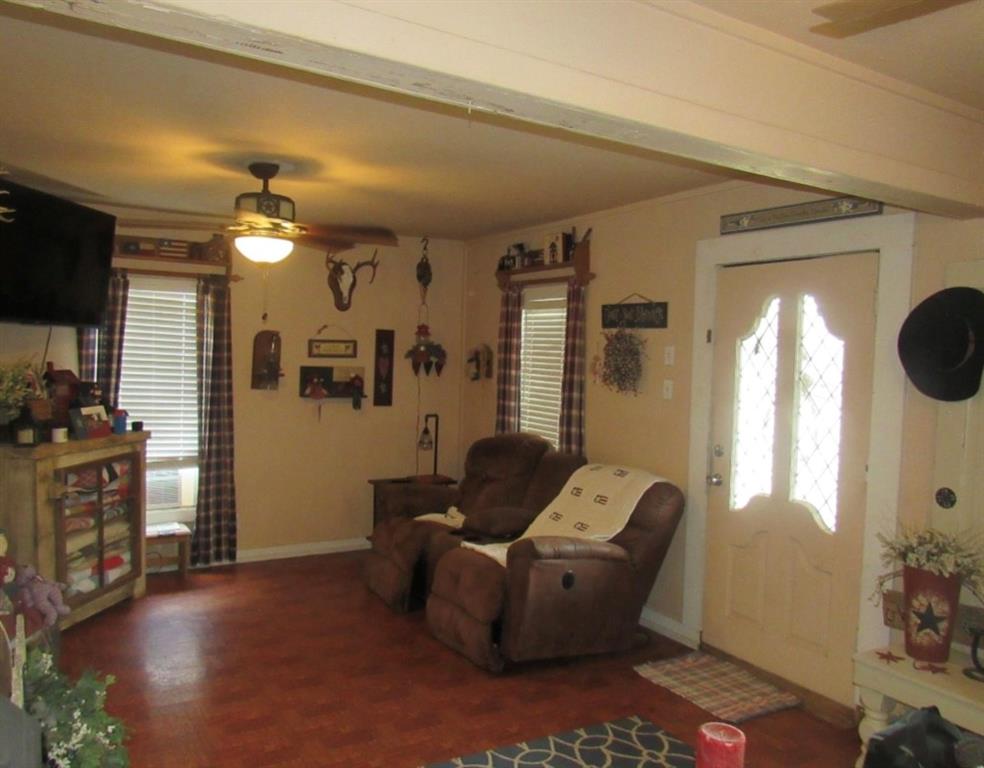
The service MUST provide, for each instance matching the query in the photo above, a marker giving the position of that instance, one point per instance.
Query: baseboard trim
(300, 550)
(671, 628)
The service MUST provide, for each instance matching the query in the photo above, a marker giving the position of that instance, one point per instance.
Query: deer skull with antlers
(342, 278)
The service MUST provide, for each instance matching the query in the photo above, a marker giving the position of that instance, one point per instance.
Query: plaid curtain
(507, 383)
(101, 349)
(215, 521)
(572, 383)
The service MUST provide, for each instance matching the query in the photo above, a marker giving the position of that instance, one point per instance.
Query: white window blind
(542, 360)
(159, 383)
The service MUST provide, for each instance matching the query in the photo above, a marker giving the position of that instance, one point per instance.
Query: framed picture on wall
(333, 348)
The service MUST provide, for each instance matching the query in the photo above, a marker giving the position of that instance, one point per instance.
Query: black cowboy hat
(941, 344)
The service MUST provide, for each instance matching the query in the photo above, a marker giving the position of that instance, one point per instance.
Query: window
(159, 386)
(541, 364)
(817, 411)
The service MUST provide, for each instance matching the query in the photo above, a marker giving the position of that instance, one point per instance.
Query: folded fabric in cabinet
(111, 513)
(81, 586)
(109, 563)
(80, 539)
(117, 547)
(117, 573)
(79, 523)
(116, 530)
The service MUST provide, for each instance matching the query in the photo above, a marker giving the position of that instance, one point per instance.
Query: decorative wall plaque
(802, 213)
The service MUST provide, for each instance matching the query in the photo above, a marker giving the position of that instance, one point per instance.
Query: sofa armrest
(499, 522)
(565, 548)
(412, 499)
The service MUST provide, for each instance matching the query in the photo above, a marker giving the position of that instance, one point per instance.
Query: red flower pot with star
(931, 603)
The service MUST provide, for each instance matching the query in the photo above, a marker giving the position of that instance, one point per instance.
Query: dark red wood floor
(295, 663)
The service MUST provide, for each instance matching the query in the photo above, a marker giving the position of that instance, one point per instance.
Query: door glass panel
(819, 385)
(756, 376)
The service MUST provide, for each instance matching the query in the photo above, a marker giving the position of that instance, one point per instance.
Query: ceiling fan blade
(320, 235)
(852, 17)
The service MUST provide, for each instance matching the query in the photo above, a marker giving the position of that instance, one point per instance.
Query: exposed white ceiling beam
(655, 74)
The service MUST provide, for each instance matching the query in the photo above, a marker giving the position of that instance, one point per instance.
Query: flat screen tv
(55, 258)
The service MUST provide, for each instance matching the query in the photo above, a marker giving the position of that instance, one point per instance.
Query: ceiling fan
(265, 229)
(852, 17)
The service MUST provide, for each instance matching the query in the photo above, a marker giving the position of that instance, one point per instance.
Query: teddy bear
(22, 590)
(41, 595)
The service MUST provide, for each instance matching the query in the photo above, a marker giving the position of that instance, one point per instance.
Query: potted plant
(15, 388)
(934, 567)
(77, 731)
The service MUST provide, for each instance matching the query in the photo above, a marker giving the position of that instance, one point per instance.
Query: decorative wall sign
(802, 213)
(649, 314)
(320, 381)
(333, 348)
(382, 383)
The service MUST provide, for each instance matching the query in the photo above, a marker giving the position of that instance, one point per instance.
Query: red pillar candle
(720, 745)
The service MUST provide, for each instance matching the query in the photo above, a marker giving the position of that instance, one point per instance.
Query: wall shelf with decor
(579, 267)
(76, 511)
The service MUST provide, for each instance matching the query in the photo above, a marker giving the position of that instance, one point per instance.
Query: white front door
(791, 404)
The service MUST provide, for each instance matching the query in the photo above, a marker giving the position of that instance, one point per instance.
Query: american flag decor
(177, 248)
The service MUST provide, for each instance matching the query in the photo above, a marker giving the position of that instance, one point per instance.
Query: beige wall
(650, 248)
(301, 481)
(28, 342)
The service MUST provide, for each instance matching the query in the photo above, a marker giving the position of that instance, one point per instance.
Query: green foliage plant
(77, 731)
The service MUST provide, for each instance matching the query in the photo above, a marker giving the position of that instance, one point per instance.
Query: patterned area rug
(724, 689)
(628, 743)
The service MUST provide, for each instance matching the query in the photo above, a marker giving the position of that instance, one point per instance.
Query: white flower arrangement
(937, 552)
(77, 731)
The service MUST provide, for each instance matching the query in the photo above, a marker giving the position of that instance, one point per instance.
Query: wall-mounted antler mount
(342, 278)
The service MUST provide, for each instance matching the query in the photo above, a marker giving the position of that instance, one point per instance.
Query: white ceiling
(942, 52)
(124, 118)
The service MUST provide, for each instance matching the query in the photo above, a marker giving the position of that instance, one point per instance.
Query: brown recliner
(508, 480)
(557, 596)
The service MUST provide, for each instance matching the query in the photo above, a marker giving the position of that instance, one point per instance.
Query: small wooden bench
(173, 533)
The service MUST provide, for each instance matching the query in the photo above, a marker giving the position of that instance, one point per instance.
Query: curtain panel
(215, 523)
(101, 349)
(507, 382)
(572, 382)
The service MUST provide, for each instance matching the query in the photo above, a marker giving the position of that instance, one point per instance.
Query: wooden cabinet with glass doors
(76, 511)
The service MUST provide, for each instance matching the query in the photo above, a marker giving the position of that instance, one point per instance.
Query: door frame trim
(893, 237)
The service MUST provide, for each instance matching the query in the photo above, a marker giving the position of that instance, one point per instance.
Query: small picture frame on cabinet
(89, 421)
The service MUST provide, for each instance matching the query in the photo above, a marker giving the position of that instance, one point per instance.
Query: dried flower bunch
(941, 553)
(620, 368)
(16, 385)
(77, 731)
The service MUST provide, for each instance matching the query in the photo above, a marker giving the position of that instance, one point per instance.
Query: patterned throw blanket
(595, 504)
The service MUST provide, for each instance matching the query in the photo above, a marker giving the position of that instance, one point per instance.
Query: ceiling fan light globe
(264, 250)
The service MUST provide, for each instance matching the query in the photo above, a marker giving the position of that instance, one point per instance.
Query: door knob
(715, 479)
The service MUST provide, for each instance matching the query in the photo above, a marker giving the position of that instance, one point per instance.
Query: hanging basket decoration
(425, 353)
(620, 365)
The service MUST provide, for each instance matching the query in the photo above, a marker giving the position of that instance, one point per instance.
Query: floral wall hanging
(426, 353)
(619, 366)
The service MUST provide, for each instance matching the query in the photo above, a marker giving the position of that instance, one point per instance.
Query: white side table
(882, 683)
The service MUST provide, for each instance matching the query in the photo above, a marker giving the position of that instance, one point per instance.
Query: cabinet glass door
(96, 526)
